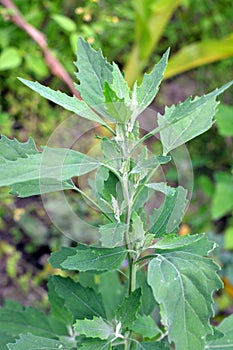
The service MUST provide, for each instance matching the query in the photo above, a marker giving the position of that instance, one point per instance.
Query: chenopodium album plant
(143, 286)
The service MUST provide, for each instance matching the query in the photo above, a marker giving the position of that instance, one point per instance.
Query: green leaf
(126, 313)
(93, 72)
(144, 94)
(145, 326)
(119, 85)
(116, 106)
(185, 297)
(72, 104)
(64, 22)
(189, 119)
(222, 203)
(4, 340)
(84, 258)
(224, 120)
(57, 306)
(95, 328)
(147, 300)
(82, 302)
(167, 218)
(112, 235)
(90, 344)
(225, 342)
(33, 342)
(197, 244)
(138, 232)
(149, 164)
(152, 346)
(10, 58)
(25, 320)
(162, 187)
(112, 297)
(22, 166)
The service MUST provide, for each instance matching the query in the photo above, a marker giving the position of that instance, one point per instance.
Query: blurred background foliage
(134, 34)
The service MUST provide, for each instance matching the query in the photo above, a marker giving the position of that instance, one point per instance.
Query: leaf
(32, 342)
(146, 92)
(90, 344)
(225, 342)
(198, 54)
(22, 166)
(152, 346)
(147, 300)
(88, 258)
(119, 85)
(93, 72)
(64, 22)
(162, 187)
(145, 326)
(4, 340)
(167, 218)
(57, 306)
(197, 244)
(224, 120)
(82, 302)
(112, 297)
(149, 164)
(36, 187)
(112, 235)
(185, 297)
(72, 104)
(10, 58)
(126, 313)
(95, 328)
(25, 320)
(189, 119)
(222, 202)
(116, 106)
(138, 232)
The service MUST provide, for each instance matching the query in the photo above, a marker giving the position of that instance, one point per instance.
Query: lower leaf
(183, 284)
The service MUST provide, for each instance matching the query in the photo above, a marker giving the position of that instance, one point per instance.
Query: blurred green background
(134, 34)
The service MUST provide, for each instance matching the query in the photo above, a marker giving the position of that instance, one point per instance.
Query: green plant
(115, 303)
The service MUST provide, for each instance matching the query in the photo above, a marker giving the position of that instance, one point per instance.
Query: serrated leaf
(144, 94)
(22, 166)
(32, 342)
(162, 187)
(126, 313)
(88, 258)
(145, 326)
(112, 235)
(26, 320)
(167, 218)
(196, 244)
(95, 328)
(82, 302)
(112, 297)
(189, 119)
(93, 72)
(72, 104)
(185, 297)
(226, 341)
